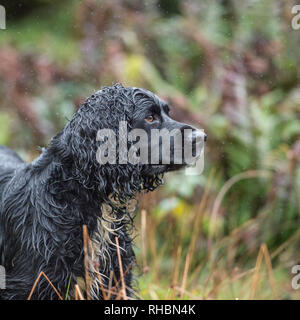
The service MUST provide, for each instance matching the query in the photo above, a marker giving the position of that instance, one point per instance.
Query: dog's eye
(149, 118)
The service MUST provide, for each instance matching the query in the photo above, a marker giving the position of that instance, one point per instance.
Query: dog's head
(124, 139)
(167, 145)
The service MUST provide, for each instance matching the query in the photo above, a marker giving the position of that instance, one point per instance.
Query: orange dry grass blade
(176, 268)
(78, 293)
(121, 270)
(37, 281)
(256, 273)
(143, 234)
(185, 273)
(151, 227)
(263, 253)
(86, 261)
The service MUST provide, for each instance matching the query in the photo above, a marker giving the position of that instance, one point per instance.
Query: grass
(213, 280)
(212, 265)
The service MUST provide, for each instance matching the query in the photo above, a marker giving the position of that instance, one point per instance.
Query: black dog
(44, 204)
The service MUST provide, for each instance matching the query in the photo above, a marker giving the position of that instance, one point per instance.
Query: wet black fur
(44, 204)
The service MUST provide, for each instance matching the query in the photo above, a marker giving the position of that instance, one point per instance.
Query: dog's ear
(77, 144)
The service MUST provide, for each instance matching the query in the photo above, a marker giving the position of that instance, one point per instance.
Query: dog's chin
(175, 167)
(162, 168)
(152, 170)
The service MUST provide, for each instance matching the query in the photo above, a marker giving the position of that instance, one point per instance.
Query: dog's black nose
(205, 138)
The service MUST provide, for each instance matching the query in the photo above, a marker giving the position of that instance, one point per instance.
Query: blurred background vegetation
(230, 67)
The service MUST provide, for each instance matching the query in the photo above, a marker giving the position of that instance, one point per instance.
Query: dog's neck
(105, 220)
(67, 192)
(55, 178)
